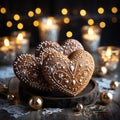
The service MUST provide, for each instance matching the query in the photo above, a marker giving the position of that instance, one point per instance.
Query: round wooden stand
(56, 100)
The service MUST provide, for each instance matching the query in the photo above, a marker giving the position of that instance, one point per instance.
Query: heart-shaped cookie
(69, 75)
(44, 53)
(27, 69)
(69, 46)
(46, 44)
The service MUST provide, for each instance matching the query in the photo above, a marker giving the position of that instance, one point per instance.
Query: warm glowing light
(37, 10)
(90, 21)
(20, 26)
(114, 10)
(90, 31)
(114, 19)
(6, 42)
(83, 12)
(108, 52)
(9, 24)
(64, 11)
(66, 20)
(16, 17)
(3, 10)
(100, 10)
(49, 22)
(20, 36)
(69, 34)
(36, 23)
(30, 13)
(102, 24)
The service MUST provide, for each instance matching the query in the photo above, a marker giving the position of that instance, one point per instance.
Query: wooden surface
(94, 111)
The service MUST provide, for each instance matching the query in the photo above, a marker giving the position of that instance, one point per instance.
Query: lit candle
(109, 56)
(22, 44)
(49, 29)
(91, 37)
(22, 41)
(6, 45)
(7, 51)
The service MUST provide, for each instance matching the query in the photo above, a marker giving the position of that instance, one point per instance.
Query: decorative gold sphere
(10, 97)
(36, 102)
(114, 84)
(106, 97)
(101, 71)
(79, 107)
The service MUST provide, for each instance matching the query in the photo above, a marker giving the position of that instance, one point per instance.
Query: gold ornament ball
(79, 107)
(114, 84)
(106, 97)
(10, 97)
(36, 102)
(102, 71)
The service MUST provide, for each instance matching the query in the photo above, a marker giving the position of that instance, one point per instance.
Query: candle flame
(6, 42)
(49, 22)
(90, 31)
(20, 36)
(109, 51)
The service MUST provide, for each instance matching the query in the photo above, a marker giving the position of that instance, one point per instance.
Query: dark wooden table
(93, 111)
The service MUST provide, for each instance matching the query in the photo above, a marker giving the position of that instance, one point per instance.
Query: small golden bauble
(106, 97)
(10, 97)
(36, 102)
(114, 84)
(101, 71)
(79, 107)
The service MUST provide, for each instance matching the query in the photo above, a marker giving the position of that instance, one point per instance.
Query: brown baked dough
(46, 44)
(68, 46)
(69, 75)
(71, 45)
(27, 69)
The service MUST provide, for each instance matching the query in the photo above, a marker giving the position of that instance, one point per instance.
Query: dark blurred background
(110, 17)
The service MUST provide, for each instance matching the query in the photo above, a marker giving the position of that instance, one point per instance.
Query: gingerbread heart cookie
(44, 53)
(27, 69)
(46, 44)
(69, 75)
(69, 46)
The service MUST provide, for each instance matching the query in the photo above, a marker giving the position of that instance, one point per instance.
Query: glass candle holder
(49, 28)
(109, 56)
(7, 50)
(91, 37)
(21, 39)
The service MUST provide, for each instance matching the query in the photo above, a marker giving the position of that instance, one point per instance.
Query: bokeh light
(64, 11)
(83, 12)
(100, 10)
(66, 20)
(102, 24)
(69, 34)
(30, 13)
(9, 24)
(20, 26)
(90, 21)
(16, 17)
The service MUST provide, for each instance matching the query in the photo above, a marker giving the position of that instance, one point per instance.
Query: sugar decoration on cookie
(68, 46)
(27, 69)
(69, 76)
(71, 45)
(46, 44)
(44, 53)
